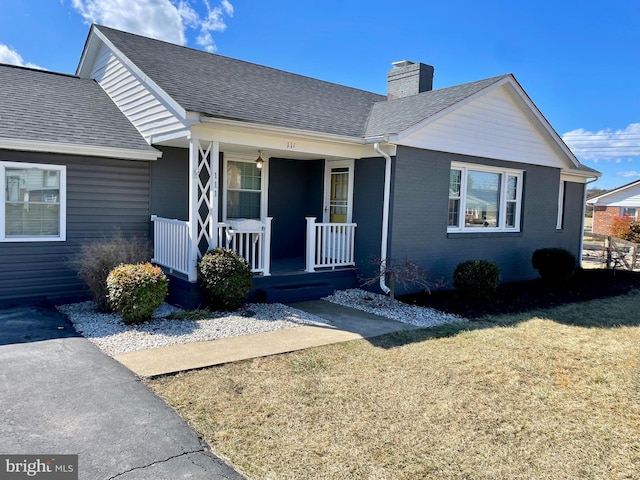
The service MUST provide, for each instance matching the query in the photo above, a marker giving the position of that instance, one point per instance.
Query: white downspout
(385, 216)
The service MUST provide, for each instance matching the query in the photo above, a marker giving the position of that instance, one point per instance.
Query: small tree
(402, 272)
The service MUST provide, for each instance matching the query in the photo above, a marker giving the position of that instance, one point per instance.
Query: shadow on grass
(611, 312)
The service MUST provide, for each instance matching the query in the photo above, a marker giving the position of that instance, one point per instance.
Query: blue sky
(579, 61)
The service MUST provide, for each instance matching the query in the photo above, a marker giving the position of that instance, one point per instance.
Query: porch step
(294, 293)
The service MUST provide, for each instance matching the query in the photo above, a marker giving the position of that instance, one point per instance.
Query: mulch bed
(517, 297)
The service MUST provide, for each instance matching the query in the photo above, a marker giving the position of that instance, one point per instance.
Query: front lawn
(551, 394)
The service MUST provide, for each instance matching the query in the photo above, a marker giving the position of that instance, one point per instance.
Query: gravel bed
(383, 306)
(113, 337)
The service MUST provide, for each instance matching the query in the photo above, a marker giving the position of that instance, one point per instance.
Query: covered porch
(287, 215)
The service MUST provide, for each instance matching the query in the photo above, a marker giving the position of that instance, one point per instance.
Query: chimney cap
(402, 63)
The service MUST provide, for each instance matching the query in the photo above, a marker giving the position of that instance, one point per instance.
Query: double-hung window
(244, 190)
(484, 199)
(33, 202)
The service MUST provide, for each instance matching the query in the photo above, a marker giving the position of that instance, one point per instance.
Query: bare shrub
(405, 273)
(96, 259)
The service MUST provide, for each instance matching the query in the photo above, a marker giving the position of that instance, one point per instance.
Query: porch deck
(288, 282)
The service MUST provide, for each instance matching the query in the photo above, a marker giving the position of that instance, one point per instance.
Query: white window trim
(502, 207)
(560, 205)
(264, 177)
(634, 216)
(63, 202)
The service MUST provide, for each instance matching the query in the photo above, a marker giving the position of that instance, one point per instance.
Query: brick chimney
(408, 78)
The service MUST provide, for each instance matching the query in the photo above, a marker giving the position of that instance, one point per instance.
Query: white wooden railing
(251, 239)
(329, 245)
(171, 243)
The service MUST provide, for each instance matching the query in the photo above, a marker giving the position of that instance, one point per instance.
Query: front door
(338, 193)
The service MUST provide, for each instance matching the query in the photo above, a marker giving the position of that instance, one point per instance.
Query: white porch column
(203, 201)
(311, 245)
(194, 157)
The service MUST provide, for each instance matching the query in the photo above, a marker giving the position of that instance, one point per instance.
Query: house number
(291, 145)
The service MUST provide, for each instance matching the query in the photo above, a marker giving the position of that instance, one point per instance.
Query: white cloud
(629, 174)
(605, 144)
(166, 20)
(7, 55)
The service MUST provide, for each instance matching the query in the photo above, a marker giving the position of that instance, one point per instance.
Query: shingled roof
(224, 87)
(395, 116)
(41, 106)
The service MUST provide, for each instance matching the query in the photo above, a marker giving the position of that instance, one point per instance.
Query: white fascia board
(272, 138)
(519, 94)
(163, 96)
(542, 121)
(76, 149)
(594, 200)
(577, 176)
(255, 127)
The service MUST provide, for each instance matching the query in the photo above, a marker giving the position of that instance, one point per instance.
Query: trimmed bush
(477, 278)
(135, 291)
(98, 258)
(555, 265)
(626, 228)
(225, 279)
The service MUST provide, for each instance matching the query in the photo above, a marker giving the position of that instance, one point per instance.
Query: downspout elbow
(385, 217)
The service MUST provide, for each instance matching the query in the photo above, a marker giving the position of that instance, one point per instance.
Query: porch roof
(64, 113)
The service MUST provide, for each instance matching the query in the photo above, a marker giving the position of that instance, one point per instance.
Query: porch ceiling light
(259, 160)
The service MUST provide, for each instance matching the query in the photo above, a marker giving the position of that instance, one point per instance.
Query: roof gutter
(385, 217)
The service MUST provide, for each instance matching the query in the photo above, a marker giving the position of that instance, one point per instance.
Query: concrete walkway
(347, 324)
(61, 395)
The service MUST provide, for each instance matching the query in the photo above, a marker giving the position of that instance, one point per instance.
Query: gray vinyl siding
(170, 184)
(419, 222)
(103, 195)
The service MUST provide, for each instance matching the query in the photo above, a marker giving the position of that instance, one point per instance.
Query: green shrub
(225, 279)
(135, 291)
(98, 258)
(555, 265)
(476, 278)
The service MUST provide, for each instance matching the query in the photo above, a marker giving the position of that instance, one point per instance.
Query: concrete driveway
(61, 395)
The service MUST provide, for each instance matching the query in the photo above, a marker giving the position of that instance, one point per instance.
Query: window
(33, 202)
(629, 212)
(243, 190)
(484, 199)
(560, 218)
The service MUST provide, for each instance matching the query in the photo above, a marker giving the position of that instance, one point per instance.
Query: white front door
(338, 191)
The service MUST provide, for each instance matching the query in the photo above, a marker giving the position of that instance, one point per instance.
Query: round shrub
(476, 278)
(135, 291)
(225, 279)
(555, 265)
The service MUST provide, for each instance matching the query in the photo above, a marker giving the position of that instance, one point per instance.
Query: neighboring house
(312, 181)
(623, 201)
(73, 168)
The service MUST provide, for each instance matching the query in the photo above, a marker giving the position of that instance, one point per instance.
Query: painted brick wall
(419, 222)
(603, 217)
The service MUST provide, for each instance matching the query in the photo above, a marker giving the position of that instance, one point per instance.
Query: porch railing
(251, 239)
(171, 244)
(329, 245)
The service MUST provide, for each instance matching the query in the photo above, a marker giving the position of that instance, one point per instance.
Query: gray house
(310, 181)
(73, 169)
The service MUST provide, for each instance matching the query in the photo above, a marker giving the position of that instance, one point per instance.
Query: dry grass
(550, 395)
